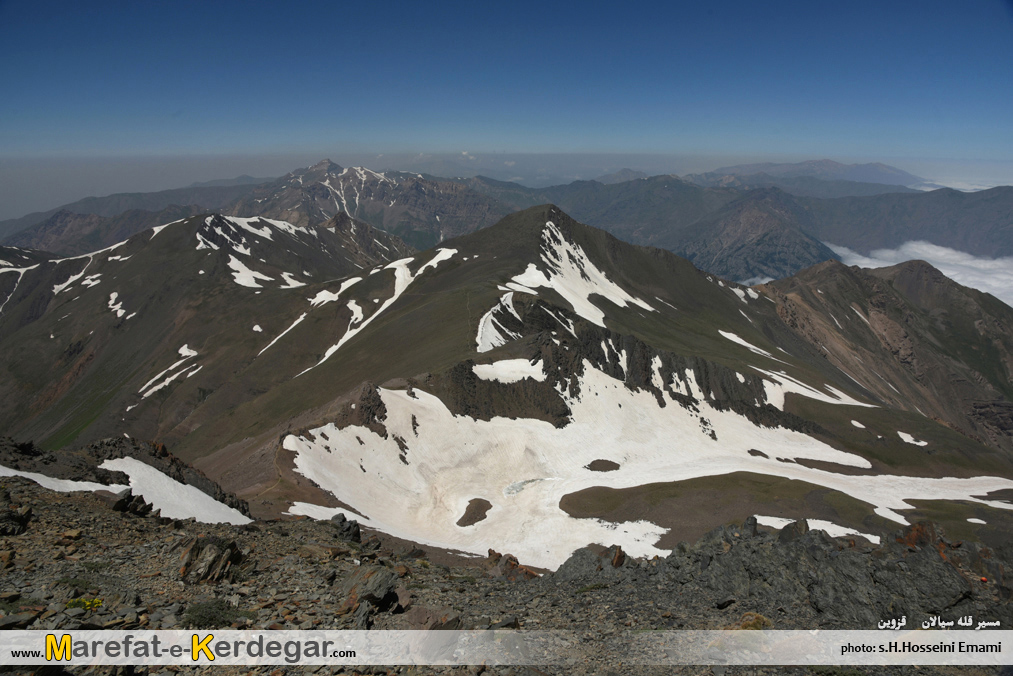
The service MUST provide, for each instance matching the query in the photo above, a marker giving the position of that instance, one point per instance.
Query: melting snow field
(176, 500)
(61, 485)
(523, 467)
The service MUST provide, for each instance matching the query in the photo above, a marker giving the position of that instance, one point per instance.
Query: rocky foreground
(89, 561)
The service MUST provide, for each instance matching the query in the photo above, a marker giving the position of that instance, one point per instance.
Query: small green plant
(77, 582)
(87, 604)
(95, 566)
(592, 587)
(213, 614)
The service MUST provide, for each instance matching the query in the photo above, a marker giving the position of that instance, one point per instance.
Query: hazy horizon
(29, 185)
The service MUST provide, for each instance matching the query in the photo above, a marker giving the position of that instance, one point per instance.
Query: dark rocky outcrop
(209, 559)
(818, 580)
(347, 530)
(13, 518)
(506, 567)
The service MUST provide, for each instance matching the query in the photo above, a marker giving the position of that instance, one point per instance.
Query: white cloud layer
(992, 275)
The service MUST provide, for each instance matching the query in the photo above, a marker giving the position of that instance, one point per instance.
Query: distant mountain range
(245, 179)
(826, 170)
(209, 198)
(743, 226)
(525, 366)
(621, 176)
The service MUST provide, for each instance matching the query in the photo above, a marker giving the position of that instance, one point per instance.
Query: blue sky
(110, 97)
(925, 79)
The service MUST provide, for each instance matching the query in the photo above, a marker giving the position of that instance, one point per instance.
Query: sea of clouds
(991, 275)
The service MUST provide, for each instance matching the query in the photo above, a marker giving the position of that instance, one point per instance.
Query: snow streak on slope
(749, 346)
(908, 439)
(21, 273)
(574, 277)
(523, 467)
(403, 278)
(278, 337)
(149, 388)
(491, 332)
(91, 258)
(783, 384)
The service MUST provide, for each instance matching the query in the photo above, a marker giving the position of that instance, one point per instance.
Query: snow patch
(175, 499)
(735, 338)
(116, 307)
(858, 424)
(324, 297)
(186, 353)
(832, 529)
(510, 370)
(278, 337)
(62, 485)
(244, 276)
(908, 439)
(290, 281)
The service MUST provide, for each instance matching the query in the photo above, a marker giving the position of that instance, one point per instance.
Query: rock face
(945, 349)
(833, 583)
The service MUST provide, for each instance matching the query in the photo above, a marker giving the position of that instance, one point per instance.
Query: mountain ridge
(299, 366)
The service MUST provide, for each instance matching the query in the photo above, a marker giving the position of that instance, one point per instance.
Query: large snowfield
(523, 467)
